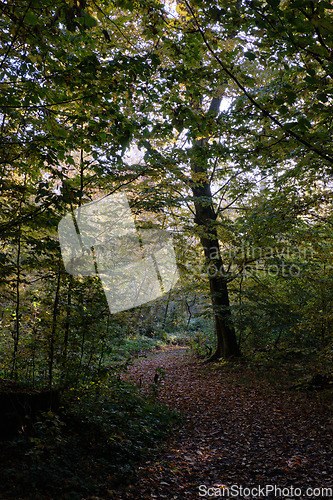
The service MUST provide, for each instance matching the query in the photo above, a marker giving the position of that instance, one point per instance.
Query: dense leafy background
(215, 118)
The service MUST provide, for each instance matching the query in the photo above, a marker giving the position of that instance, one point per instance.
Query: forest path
(232, 435)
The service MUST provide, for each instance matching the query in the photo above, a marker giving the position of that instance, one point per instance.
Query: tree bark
(205, 218)
(53, 327)
(227, 345)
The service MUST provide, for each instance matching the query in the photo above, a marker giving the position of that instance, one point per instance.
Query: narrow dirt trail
(232, 436)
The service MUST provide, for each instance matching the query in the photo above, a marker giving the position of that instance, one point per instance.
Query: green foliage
(102, 431)
(132, 345)
(293, 368)
(114, 411)
(201, 337)
(98, 97)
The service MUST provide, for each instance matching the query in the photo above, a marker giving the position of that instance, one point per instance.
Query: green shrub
(202, 343)
(92, 444)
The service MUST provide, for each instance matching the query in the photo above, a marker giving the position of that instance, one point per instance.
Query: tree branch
(254, 102)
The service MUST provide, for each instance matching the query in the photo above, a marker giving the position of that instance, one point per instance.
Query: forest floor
(234, 435)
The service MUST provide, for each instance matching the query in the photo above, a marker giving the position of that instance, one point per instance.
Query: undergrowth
(91, 445)
(295, 370)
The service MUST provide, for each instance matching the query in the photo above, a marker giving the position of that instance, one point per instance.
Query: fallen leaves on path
(232, 435)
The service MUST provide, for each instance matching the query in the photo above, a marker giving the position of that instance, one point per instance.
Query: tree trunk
(16, 333)
(54, 327)
(205, 218)
(227, 346)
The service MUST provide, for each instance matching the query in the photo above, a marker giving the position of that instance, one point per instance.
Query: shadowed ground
(232, 434)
